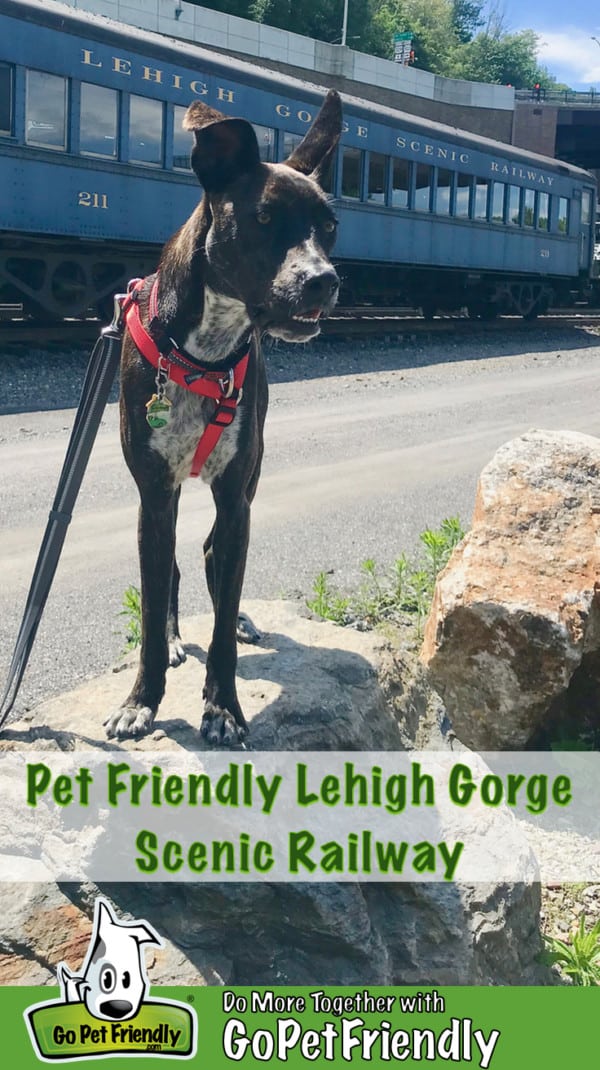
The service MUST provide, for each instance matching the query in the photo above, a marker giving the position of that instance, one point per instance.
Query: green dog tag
(158, 411)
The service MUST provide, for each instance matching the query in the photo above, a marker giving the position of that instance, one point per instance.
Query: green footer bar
(216, 1028)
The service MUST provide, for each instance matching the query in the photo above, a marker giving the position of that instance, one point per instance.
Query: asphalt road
(358, 461)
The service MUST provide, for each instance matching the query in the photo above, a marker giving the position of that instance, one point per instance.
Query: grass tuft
(403, 590)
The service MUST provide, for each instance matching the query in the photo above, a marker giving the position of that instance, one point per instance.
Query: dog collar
(224, 384)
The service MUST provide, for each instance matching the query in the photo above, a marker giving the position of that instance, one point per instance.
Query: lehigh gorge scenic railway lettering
(242, 785)
(300, 851)
(225, 94)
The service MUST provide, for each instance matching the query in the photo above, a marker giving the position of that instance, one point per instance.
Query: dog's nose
(321, 287)
(116, 1008)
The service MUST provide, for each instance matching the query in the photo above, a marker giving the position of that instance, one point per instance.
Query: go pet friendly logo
(104, 1010)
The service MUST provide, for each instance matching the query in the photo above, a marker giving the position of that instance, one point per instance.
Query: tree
(504, 58)
(429, 21)
(467, 17)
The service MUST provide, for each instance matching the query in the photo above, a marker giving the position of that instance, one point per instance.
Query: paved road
(356, 466)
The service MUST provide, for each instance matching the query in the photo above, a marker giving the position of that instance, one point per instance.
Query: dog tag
(158, 411)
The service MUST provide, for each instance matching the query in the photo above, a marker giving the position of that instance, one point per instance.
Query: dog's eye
(263, 216)
(126, 979)
(108, 979)
(329, 226)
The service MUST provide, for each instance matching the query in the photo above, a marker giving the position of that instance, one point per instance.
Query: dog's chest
(178, 441)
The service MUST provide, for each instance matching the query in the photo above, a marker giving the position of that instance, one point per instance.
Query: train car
(95, 174)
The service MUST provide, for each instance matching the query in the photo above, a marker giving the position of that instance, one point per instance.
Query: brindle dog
(252, 258)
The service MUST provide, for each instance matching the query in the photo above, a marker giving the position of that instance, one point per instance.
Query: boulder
(515, 612)
(309, 685)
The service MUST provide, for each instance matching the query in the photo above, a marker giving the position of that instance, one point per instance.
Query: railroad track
(399, 323)
(394, 323)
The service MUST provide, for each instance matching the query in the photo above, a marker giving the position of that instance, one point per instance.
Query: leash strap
(223, 386)
(100, 373)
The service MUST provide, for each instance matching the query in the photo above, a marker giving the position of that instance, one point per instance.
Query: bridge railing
(572, 97)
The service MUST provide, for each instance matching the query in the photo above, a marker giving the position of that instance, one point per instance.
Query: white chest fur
(223, 323)
(177, 442)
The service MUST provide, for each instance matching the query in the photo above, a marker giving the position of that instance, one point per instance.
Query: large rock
(309, 685)
(515, 612)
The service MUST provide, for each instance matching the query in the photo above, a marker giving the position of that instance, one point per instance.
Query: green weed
(580, 958)
(326, 603)
(132, 611)
(405, 589)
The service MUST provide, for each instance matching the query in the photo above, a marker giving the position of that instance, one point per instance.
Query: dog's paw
(245, 631)
(129, 721)
(220, 727)
(177, 653)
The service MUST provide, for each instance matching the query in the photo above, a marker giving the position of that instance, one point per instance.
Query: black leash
(99, 376)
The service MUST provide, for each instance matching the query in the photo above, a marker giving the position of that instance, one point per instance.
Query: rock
(308, 685)
(515, 612)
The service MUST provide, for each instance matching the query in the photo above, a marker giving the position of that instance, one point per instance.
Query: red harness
(223, 386)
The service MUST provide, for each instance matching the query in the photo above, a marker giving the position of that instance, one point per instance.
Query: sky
(566, 28)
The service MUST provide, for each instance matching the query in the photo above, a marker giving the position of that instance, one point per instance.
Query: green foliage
(504, 58)
(467, 18)
(326, 603)
(580, 957)
(132, 611)
(404, 591)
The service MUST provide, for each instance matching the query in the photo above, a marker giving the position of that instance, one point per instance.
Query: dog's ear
(144, 934)
(223, 148)
(313, 155)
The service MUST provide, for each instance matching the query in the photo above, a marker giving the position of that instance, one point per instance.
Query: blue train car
(94, 168)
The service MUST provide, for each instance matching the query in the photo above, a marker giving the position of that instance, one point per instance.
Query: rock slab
(309, 685)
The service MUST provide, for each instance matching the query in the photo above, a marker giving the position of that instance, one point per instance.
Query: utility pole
(345, 23)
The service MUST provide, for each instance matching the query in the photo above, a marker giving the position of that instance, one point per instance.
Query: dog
(113, 980)
(254, 257)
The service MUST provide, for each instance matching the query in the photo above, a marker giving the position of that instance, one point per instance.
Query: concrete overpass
(563, 124)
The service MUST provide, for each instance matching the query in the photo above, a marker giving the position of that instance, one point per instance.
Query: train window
(400, 183)
(351, 172)
(377, 177)
(528, 208)
(443, 191)
(563, 215)
(498, 202)
(6, 92)
(423, 186)
(290, 142)
(586, 208)
(46, 110)
(145, 130)
(543, 211)
(514, 205)
(98, 123)
(463, 195)
(182, 140)
(266, 142)
(481, 198)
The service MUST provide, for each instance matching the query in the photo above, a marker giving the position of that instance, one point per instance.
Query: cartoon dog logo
(113, 981)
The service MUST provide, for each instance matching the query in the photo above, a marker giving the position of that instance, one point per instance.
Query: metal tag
(158, 411)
